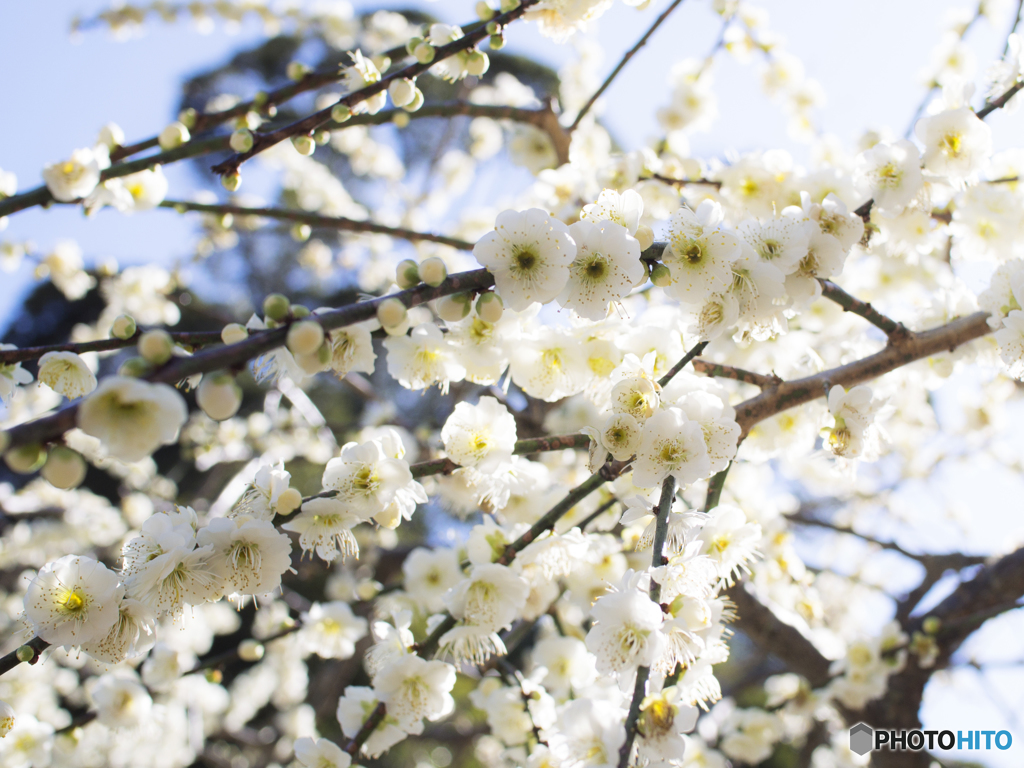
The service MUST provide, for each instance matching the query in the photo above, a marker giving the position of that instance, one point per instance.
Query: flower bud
(433, 271)
(231, 181)
(931, 624)
(402, 91)
(289, 500)
(305, 337)
(124, 327)
(187, 117)
(340, 113)
(490, 307)
(111, 136)
(300, 232)
(234, 333)
(250, 650)
(484, 12)
(645, 236)
(509, 5)
(241, 140)
(25, 459)
(276, 306)
(219, 396)
(296, 70)
(424, 53)
(322, 138)
(411, 45)
(299, 310)
(174, 135)
(415, 104)
(497, 42)
(477, 63)
(135, 367)
(492, 28)
(407, 274)
(391, 313)
(26, 654)
(156, 346)
(451, 309)
(304, 145)
(64, 468)
(661, 276)
(401, 119)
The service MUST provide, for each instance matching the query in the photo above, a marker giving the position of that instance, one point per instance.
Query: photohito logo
(864, 738)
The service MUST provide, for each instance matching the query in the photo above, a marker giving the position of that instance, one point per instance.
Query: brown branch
(849, 303)
(230, 356)
(908, 349)
(697, 349)
(305, 126)
(11, 660)
(684, 182)
(190, 339)
(720, 371)
(316, 220)
(622, 63)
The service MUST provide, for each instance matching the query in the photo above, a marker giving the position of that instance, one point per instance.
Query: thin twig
(187, 338)
(849, 303)
(697, 349)
(720, 371)
(316, 220)
(622, 63)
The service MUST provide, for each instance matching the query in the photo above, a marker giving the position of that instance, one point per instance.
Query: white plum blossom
(957, 144)
(671, 444)
(413, 688)
(423, 358)
(362, 73)
(320, 753)
(251, 555)
(699, 253)
(489, 598)
(1011, 343)
(121, 701)
(133, 633)
(429, 574)
(325, 525)
(73, 179)
(352, 350)
(891, 175)
(66, 373)
(11, 375)
(73, 600)
(729, 541)
(331, 630)
(481, 435)
(368, 478)
(131, 417)
(529, 253)
(626, 632)
(606, 267)
(624, 209)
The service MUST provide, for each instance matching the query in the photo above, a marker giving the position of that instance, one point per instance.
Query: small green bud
(424, 53)
(304, 145)
(493, 28)
(26, 654)
(490, 307)
(187, 117)
(408, 274)
(124, 327)
(233, 333)
(433, 271)
(156, 346)
(231, 181)
(296, 70)
(25, 459)
(135, 367)
(299, 310)
(661, 276)
(241, 140)
(484, 12)
(411, 44)
(300, 232)
(497, 42)
(391, 313)
(276, 306)
(931, 624)
(451, 309)
(341, 112)
(509, 5)
(322, 138)
(174, 135)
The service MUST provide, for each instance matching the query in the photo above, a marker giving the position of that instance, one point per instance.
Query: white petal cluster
(131, 417)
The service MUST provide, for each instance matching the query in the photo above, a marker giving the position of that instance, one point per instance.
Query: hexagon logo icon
(861, 737)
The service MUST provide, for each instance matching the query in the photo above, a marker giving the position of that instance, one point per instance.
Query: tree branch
(233, 355)
(622, 63)
(720, 371)
(316, 220)
(305, 126)
(185, 338)
(912, 347)
(849, 303)
(697, 349)
(658, 559)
